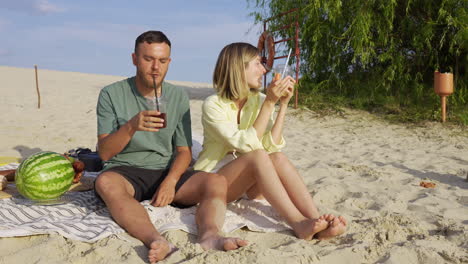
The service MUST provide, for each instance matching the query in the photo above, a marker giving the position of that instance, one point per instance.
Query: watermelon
(43, 176)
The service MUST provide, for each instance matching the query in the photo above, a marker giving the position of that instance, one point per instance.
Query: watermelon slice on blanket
(43, 176)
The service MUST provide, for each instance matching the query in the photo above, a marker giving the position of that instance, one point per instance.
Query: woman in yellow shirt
(243, 139)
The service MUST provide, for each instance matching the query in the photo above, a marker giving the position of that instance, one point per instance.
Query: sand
(354, 164)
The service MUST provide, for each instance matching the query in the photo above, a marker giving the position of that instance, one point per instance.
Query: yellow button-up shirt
(222, 134)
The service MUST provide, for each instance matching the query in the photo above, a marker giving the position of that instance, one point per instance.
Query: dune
(355, 165)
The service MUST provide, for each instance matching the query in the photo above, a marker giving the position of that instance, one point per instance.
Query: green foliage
(378, 53)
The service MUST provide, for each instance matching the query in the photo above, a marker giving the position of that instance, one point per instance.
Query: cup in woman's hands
(278, 71)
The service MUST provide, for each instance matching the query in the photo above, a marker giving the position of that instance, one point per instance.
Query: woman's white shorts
(228, 158)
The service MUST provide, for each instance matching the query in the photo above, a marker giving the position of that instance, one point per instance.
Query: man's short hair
(152, 36)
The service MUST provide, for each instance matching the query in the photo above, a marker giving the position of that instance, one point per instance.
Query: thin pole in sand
(37, 89)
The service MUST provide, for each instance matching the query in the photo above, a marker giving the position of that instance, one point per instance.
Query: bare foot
(216, 241)
(308, 228)
(159, 249)
(336, 227)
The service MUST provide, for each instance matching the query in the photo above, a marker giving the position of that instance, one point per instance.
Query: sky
(98, 36)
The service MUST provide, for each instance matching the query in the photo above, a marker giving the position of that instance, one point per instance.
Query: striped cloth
(86, 218)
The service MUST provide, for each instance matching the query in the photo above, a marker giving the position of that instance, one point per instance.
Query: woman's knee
(278, 158)
(215, 183)
(259, 155)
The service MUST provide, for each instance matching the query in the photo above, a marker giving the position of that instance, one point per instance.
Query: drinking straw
(287, 61)
(156, 93)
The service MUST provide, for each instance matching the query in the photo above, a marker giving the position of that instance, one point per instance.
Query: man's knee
(103, 183)
(110, 182)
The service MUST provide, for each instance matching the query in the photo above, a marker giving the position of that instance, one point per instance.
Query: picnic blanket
(86, 218)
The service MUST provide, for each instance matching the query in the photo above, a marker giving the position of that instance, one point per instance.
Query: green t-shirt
(121, 101)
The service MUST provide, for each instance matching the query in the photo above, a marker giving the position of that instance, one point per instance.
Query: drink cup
(278, 73)
(163, 116)
(153, 105)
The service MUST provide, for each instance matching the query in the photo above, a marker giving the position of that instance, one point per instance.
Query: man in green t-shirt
(143, 160)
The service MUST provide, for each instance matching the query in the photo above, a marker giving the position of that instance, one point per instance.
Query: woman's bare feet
(308, 228)
(336, 227)
(159, 249)
(215, 241)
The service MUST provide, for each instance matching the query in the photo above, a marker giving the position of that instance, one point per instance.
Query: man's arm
(182, 139)
(166, 191)
(181, 163)
(112, 144)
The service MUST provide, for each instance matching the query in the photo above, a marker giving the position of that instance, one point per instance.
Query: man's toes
(158, 250)
(234, 243)
(230, 244)
(242, 242)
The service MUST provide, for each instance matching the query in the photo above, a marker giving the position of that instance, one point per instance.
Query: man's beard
(146, 80)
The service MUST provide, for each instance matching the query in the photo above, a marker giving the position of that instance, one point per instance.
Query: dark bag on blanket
(89, 158)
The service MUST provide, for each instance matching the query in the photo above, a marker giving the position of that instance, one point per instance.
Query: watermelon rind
(44, 175)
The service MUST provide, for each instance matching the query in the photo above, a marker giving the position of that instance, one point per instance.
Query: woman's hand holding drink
(286, 83)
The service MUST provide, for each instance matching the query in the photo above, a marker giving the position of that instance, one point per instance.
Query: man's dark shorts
(146, 181)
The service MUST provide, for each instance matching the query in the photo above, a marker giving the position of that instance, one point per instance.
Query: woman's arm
(285, 88)
(261, 123)
(277, 129)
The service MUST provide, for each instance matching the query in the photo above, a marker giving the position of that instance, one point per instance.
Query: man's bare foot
(159, 249)
(215, 241)
(308, 228)
(336, 227)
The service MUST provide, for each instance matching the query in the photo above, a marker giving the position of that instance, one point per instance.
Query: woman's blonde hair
(229, 74)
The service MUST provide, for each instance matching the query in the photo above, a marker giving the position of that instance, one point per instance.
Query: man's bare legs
(118, 193)
(209, 190)
(297, 191)
(256, 168)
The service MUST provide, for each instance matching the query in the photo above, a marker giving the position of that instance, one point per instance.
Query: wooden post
(443, 86)
(444, 107)
(298, 60)
(37, 89)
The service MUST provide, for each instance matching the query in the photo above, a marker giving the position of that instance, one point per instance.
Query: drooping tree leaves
(376, 48)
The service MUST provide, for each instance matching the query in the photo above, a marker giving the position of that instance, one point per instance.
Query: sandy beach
(355, 165)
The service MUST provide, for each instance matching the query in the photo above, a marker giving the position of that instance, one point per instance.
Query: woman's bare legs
(257, 167)
(297, 191)
(336, 227)
(294, 185)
